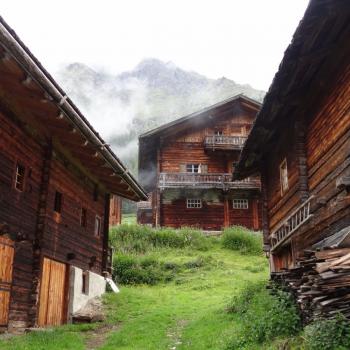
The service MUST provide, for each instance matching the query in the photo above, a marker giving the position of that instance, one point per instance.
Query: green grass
(187, 312)
(129, 219)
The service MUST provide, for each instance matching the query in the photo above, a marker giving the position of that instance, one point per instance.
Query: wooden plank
(44, 292)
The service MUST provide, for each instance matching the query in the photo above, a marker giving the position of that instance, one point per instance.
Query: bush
(240, 239)
(263, 316)
(328, 334)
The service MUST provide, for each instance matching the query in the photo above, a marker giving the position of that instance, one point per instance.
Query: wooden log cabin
(300, 143)
(186, 166)
(56, 178)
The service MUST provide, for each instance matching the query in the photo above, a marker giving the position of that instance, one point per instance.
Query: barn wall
(18, 210)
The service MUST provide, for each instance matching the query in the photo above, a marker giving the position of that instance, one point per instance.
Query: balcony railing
(205, 181)
(295, 220)
(224, 142)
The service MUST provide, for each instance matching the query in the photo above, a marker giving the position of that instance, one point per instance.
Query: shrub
(264, 316)
(240, 239)
(328, 334)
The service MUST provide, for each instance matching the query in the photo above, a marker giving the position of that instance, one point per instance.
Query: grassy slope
(187, 313)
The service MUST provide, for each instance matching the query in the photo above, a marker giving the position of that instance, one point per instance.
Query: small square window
(20, 175)
(219, 133)
(83, 217)
(192, 168)
(194, 203)
(240, 204)
(85, 283)
(58, 202)
(97, 226)
(284, 177)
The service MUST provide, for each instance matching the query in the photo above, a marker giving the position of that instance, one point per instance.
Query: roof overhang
(57, 116)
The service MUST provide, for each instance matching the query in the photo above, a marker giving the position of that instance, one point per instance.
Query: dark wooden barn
(300, 144)
(56, 178)
(186, 168)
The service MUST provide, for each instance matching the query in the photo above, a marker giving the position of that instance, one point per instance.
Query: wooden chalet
(186, 166)
(300, 144)
(56, 178)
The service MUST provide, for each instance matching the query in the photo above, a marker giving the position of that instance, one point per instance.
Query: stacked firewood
(320, 283)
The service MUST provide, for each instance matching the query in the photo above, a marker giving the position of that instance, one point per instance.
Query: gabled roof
(60, 117)
(202, 114)
(319, 48)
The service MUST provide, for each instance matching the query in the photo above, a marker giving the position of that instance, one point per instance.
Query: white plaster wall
(96, 287)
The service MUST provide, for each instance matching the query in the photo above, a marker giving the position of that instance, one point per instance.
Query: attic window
(19, 180)
(284, 177)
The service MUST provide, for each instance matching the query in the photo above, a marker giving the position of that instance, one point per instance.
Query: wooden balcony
(205, 181)
(291, 224)
(228, 143)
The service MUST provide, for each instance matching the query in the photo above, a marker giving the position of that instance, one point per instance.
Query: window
(193, 168)
(97, 226)
(85, 282)
(83, 217)
(219, 133)
(20, 173)
(194, 203)
(284, 177)
(95, 194)
(58, 202)
(240, 204)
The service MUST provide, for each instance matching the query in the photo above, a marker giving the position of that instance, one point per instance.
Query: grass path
(187, 313)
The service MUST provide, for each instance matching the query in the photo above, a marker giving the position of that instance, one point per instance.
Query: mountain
(123, 106)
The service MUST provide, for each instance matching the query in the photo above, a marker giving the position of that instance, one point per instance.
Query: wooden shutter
(204, 168)
(182, 168)
(6, 266)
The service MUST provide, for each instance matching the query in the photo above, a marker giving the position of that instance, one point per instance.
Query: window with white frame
(240, 204)
(192, 168)
(284, 177)
(194, 203)
(219, 133)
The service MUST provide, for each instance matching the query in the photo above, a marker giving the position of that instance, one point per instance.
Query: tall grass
(241, 239)
(140, 239)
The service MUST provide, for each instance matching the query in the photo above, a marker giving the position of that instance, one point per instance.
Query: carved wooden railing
(224, 142)
(207, 180)
(296, 219)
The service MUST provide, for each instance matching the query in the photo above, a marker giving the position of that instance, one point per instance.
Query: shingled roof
(311, 62)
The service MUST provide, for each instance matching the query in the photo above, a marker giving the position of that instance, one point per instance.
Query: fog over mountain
(123, 106)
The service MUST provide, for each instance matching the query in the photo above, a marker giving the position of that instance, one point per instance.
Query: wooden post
(39, 234)
(226, 211)
(255, 214)
(300, 134)
(105, 243)
(265, 215)
(158, 195)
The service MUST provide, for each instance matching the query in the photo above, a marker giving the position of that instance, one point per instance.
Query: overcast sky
(243, 40)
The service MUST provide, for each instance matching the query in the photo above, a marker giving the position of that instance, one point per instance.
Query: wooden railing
(296, 219)
(197, 180)
(224, 142)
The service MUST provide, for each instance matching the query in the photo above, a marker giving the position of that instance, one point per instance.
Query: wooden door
(6, 265)
(53, 295)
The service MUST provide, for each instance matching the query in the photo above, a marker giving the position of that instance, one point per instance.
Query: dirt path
(175, 334)
(97, 337)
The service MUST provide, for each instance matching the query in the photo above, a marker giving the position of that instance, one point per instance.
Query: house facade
(186, 168)
(300, 143)
(56, 179)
